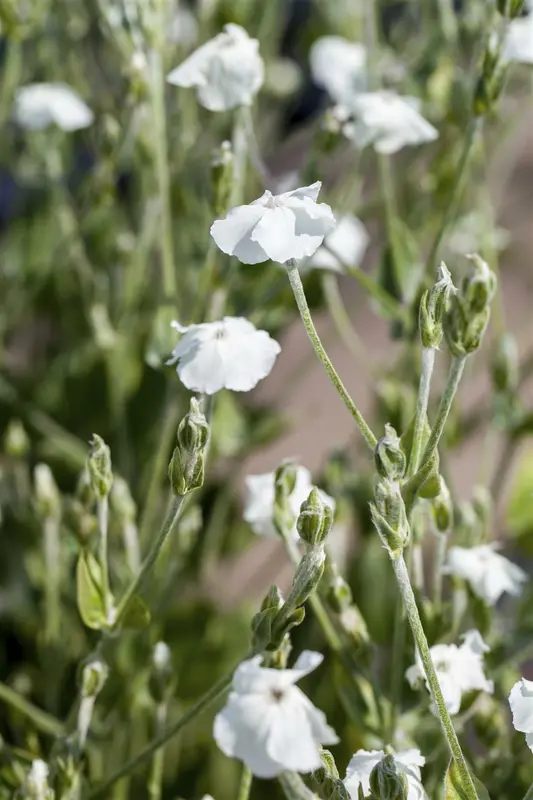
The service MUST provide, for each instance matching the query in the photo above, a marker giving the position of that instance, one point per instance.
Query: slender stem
(41, 719)
(169, 523)
(239, 146)
(448, 19)
(404, 584)
(396, 677)
(305, 314)
(155, 782)
(293, 787)
(529, 795)
(245, 784)
(85, 715)
(497, 483)
(428, 361)
(440, 556)
(103, 515)
(455, 193)
(216, 691)
(131, 545)
(452, 382)
(342, 321)
(52, 579)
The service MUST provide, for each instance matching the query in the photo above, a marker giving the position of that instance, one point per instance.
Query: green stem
(293, 787)
(245, 784)
(455, 193)
(52, 555)
(428, 362)
(155, 783)
(41, 719)
(409, 602)
(529, 795)
(168, 526)
(305, 314)
(448, 20)
(102, 511)
(216, 691)
(440, 555)
(396, 678)
(450, 390)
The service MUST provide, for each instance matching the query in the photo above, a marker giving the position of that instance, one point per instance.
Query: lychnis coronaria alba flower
(459, 669)
(269, 723)
(260, 495)
(227, 71)
(518, 42)
(338, 66)
(385, 120)
(39, 105)
(230, 354)
(521, 702)
(280, 227)
(488, 573)
(344, 246)
(363, 762)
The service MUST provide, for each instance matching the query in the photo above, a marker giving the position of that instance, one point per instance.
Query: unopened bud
(315, 519)
(338, 594)
(37, 787)
(469, 312)
(386, 783)
(93, 677)
(433, 307)
(504, 365)
(285, 479)
(122, 503)
(186, 468)
(389, 457)
(47, 497)
(263, 621)
(162, 676)
(511, 8)
(479, 287)
(84, 488)
(16, 440)
(99, 466)
(82, 523)
(222, 177)
(442, 509)
(327, 781)
(390, 517)
(307, 576)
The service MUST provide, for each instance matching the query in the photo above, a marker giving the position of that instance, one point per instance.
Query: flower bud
(47, 497)
(386, 783)
(16, 440)
(307, 576)
(82, 523)
(315, 519)
(37, 787)
(327, 781)
(389, 457)
(504, 364)
(389, 516)
(84, 489)
(162, 674)
(222, 177)
(285, 479)
(511, 8)
(433, 306)
(122, 503)
(338, 595)
(99, 466)
(186, 468)
(479, 288)
(263, 621)
(442, 509)
(93, 677)
(469, 312)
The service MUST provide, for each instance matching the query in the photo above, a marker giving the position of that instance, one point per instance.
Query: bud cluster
(390, 516)
(491, 80)
(511, 8)
(433, 306)
(389, 457)
(386, 783)
(469, 312)
(186, 468)
(326, 780)
(99, 467)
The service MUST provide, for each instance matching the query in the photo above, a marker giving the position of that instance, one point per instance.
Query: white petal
(233, 234)
(41, 104)
(320, 730)
(521, 702)
(474, 641)
(242, 729)
(307, 661)
(311, 192)
(339, 66)
(529, 741)
(359, 768)
(291, 743)
(275, 234)
(191, 72)
(346, 245)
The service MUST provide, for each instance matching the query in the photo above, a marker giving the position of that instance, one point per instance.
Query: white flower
(363, 762)
(521, 702)
(183, 27)
(39, 105)
(471, 229)
(259, 502)
(339, 66)
(279, 227)
(459, 669)
(37, 780)
(345, 245)
(161, 655)
(269, 723)
(488, 573)
(518, 43)
(227, 71)
(230, 354)
(387, 121)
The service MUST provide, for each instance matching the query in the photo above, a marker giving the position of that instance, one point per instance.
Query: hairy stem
(103, 517)
(155, 781)
(293, 787)
(428, 361)
(52, 555)
(245, 784)
(452, 382)
(305, 314)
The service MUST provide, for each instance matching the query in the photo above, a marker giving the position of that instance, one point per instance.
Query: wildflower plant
(157, 258)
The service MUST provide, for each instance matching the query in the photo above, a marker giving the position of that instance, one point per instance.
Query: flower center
(277, 695)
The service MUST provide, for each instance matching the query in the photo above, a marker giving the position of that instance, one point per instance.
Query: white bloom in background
(227, 71)
(363, 762)
(459, 669)
(387, 121)
(39, 105)
(338, 66)
(344, 246)
(269, 723)
(161, 655)
(488, 573)
(183, 27)
(278, 227)
(521, 702)
(518, 43)
(260, 495)
(230, 354)
(471, 230)
(37, 780)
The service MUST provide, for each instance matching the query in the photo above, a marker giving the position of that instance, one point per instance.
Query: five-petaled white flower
(521, 702)
(459, 669)
(363, 762)
(488, 573)
(344, 246)
(259, 502)
(386, 120)
(280, 227)
(227, 71)
(269, 723)
(39, 105)
(518, 42)
(230, 354)
(339, 66)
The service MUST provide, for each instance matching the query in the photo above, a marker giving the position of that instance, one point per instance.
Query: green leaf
(520, 505)
(137, 614)
(529, 795)
(91, 603)
(454, 786)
